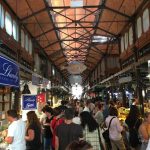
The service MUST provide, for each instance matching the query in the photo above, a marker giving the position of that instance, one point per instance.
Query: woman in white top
(115, 130)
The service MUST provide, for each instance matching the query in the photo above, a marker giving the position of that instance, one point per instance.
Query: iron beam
(107, 31)
(76, 21)
(33, 14)
(69, 7)
(51, 18)
(62, 28)
(44, 33)
(117, 12)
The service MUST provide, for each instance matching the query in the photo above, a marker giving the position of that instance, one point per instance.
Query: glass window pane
(30, 47)
(17, 36)
(126, 40)
(131, 36)
(14, 30)
(22, 38)
(122, 44)
(139, 27)
(146, 20)
(8, 24)
(1, 16)
(0, 13)
(26, 43)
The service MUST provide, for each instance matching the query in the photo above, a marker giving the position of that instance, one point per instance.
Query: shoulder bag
(106, 133)
(100, 141)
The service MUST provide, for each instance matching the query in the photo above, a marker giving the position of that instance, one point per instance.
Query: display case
(5, 104)
(5, 98)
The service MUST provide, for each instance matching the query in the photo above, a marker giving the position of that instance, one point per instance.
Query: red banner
(41, 98)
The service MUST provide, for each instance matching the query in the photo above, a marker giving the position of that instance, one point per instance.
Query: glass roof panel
(75, 25)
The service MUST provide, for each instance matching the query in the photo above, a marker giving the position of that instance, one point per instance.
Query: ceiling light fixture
(100, 39)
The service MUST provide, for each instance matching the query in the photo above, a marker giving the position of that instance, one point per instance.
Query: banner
(9, 72)
(41, 98)
(29, 102)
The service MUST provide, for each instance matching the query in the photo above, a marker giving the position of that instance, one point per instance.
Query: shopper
(106, 110)
(86, 106)
(133, 121)
(47, 133)
(43, 115)
(67, 131)
(57, 120)
(16, 132)
(33, 133)
(79, 145)
(144, 131)
(76, 118)
(42, 120)
(79, 107)
(115, 129)
(90, 129)
(135, 101)
(91, 106)
(99, 113)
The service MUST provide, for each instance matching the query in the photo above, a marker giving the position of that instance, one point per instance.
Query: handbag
(106, 133)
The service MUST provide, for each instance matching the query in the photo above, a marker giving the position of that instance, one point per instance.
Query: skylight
(100, 39)
(76, 3)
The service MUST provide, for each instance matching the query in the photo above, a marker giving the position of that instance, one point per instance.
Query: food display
(146, 107)
(3, 134)
(3, 130)
(123, 112)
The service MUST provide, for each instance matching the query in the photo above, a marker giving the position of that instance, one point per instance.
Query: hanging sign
(125, 79)
(9, 72)
(29, 102)
(41, 98)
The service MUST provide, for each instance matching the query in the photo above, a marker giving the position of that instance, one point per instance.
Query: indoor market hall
(74, 74)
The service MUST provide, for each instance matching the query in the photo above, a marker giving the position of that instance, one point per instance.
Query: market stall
(9, 89)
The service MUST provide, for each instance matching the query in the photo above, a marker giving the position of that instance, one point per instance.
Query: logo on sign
(8, 71)
(28, 105)
(30, 99)
(29, 102)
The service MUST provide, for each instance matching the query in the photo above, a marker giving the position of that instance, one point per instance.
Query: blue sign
(29, 102)
(9, 72)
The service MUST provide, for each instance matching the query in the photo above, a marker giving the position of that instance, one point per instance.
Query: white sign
(125, 79)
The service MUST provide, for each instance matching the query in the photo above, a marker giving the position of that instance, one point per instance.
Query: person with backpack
(115, 129)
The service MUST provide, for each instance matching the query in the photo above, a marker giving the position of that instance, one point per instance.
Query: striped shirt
(92, 137)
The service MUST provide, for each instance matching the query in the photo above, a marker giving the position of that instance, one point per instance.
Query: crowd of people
(78, 125)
